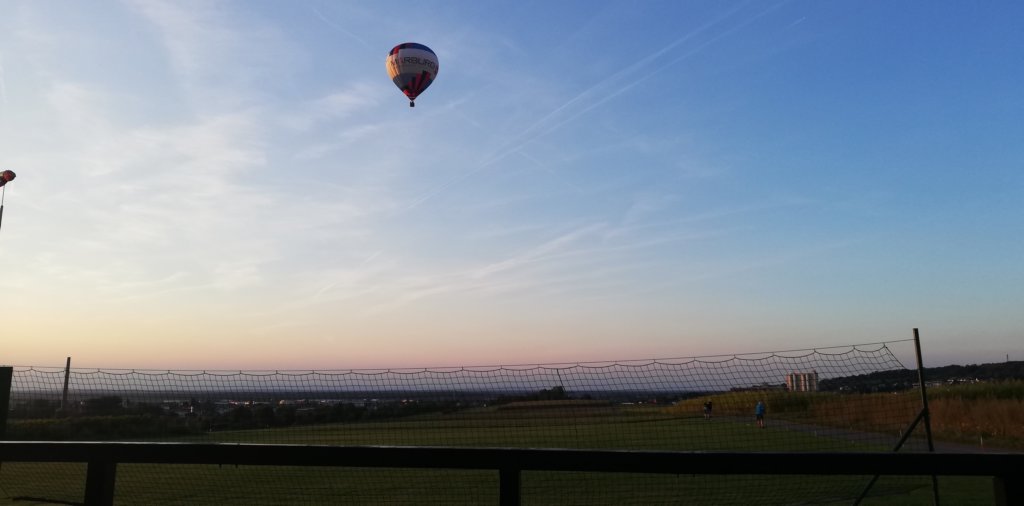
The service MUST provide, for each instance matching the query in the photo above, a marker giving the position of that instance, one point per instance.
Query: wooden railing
(102, 458)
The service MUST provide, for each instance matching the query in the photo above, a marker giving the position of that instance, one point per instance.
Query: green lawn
(608, 429)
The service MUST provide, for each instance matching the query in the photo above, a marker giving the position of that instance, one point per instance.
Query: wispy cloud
(538, 252)
(605, 90)
(613, 89)
(322, 17)
(3, 82)
(335, 107)
(156, 193)
(202, 39)
(223, 169)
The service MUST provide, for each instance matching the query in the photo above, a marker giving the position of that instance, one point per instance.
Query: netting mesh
(857, 398)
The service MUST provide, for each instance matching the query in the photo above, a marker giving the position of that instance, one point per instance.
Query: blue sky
(239, 185)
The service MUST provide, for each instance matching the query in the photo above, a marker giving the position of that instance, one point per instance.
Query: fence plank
(103, 457)
(509, 487)
(99, 481)
(615, 461)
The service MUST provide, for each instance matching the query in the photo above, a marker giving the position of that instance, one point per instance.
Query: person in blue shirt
(759, 413)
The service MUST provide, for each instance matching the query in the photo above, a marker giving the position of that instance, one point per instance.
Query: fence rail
(102, 459)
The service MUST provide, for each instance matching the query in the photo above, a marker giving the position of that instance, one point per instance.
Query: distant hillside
(891, 381)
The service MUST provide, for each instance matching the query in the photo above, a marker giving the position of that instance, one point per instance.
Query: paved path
(915, 443)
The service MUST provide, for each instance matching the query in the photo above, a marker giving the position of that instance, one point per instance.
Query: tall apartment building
(802, 381)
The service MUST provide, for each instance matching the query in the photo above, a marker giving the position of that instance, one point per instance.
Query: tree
(100, 406)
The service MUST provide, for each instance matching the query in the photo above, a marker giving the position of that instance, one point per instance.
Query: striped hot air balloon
(412, 68)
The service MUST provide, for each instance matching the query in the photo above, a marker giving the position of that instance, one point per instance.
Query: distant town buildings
(802, 381)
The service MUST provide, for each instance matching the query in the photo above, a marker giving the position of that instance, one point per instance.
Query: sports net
(856, 398)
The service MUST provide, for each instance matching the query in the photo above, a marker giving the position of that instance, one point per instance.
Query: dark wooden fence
(103, 458)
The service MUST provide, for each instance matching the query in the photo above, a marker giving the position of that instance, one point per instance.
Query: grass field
(606, 427)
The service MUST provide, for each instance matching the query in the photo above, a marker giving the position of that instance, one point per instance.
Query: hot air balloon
(412, 68)
(5, 177)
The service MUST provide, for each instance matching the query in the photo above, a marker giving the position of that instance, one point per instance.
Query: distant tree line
(892, 381)
(112, 417)
(548, 394)
(558, 393)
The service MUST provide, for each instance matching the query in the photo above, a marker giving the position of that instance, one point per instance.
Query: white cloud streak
(3, 82)
(348, 33)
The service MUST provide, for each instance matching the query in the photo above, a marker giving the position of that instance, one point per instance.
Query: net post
(899, 444)
(924, 391)
(6, 379)
(67, 377)
(925, 411)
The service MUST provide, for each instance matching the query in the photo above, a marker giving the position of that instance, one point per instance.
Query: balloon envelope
(412, 67)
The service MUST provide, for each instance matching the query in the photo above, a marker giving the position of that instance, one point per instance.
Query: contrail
(3, 84)
(643, 62)
(797, 22)
(338, 27)
(449, 183)
(516, 145)
(544, 125)
(658, 70)
(545, 167)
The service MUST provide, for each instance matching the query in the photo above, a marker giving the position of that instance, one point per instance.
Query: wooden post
(99, 481)
(6, 378)
(1008, 490)
(509, 487)
(67, 377)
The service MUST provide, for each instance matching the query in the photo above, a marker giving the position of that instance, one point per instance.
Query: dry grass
(990, 422)
(989, 414)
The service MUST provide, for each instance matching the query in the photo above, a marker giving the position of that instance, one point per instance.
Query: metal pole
(67, 377)
(3, 193)
(6, 377)
(899, 444)
(924, 409)
(924, 392)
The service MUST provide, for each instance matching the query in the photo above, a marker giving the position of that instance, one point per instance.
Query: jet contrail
(338, 27)
(546, 124)
(3, 84)
(652, 73)
(643, 62)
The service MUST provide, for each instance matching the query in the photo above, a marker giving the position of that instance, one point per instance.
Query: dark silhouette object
(5, 177)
